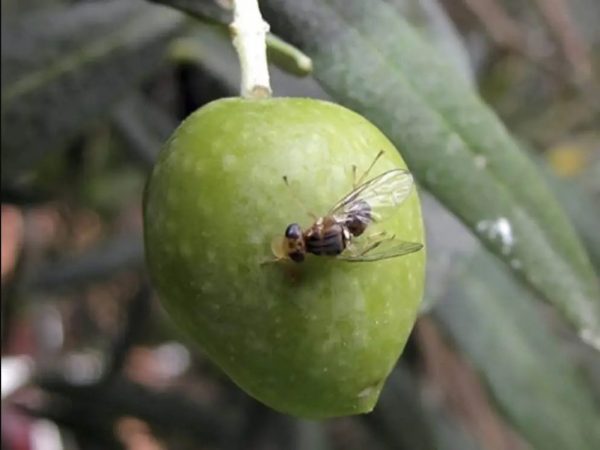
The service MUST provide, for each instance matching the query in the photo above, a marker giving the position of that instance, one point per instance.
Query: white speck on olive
(366, 392)
(228, 162)
(255, 238)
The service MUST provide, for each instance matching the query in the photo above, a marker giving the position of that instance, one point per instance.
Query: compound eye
(293, 231)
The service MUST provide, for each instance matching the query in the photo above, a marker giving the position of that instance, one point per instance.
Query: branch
(249, 32)
(565, 32)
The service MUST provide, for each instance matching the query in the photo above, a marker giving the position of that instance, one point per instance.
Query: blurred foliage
(78, 60)
(487, 313)
(91, 89)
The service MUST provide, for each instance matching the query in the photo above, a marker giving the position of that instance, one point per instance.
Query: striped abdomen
(329, 240)
(358, 218)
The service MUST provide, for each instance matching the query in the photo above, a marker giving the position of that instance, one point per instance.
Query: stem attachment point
(249, 31)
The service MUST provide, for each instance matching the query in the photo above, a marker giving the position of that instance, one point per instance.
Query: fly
(334, 233)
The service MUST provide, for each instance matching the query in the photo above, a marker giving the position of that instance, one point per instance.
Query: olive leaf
(436, 27)
(495, 323)
(582, 209)
(209, 11)
(371, 60)
(144, 127)
(209, 49)
(63, 68)
(287, 57)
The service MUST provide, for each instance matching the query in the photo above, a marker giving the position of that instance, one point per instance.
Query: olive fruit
(313, 339)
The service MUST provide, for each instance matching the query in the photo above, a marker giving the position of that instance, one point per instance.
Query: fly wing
(376, 199)
(378, 249)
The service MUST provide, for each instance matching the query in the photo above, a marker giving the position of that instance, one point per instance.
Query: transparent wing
(379, 248)
(376, 199)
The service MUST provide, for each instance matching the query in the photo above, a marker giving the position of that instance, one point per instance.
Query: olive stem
(249, 31)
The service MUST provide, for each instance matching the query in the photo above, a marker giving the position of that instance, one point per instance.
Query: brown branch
(508, 34)
(502, 28)
(461, 389)
(574, 48)
(166, 410)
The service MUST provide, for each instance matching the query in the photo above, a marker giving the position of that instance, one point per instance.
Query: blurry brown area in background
(508, 33)
(455, 383)
(12, 238)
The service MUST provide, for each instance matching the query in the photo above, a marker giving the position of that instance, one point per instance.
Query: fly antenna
(359, 181)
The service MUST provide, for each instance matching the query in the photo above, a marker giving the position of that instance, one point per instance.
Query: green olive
(313, 339)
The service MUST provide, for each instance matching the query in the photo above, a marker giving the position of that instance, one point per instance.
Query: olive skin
(314, 339)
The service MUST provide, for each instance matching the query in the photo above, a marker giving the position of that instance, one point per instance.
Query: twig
(165, 410)
(206, 10)
(575, 50)
(502, 28)
(249, 32)
(508, 34)
(137, 313)
(91, 430)
(460, 387)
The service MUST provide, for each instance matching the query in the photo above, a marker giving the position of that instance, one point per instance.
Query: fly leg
(376, 238)
(271, 260)
(277, 250)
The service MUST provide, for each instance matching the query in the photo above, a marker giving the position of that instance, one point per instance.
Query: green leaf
(430, 19)
(65, 68)
(581, 207)
(209, 48)
(370, 59)
(195, 47)
(282, 54)
(287, 57)
(144, 127)
(495, 323)
(209, 11)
